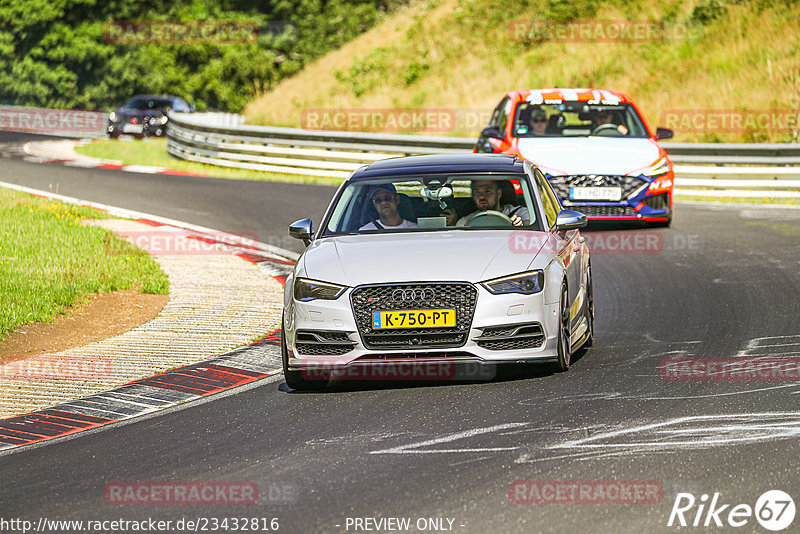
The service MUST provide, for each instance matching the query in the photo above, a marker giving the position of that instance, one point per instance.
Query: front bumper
(326, 334)
(640, 208)
(141, 129)
(640, 202)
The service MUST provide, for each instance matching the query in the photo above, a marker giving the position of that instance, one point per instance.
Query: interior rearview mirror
(439, 194)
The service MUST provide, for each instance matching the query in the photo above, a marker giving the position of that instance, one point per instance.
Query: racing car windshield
(433, 203)
(577, 119)
(143, 104)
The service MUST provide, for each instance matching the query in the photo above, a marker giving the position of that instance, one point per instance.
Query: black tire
(294, 379)
(589, 309)
(562, 364)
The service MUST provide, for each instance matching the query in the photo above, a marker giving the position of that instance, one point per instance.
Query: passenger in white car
(387, 202)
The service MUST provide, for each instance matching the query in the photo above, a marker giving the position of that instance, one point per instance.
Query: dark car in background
(145, 115)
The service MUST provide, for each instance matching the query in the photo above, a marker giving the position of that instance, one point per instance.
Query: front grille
(511, 337)
(604, 210)
(459, 296)
(323, 343)
(657, 202)
(561, 184)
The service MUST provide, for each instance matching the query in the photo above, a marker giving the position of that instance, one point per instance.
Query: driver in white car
(488, 195)
(604, 117)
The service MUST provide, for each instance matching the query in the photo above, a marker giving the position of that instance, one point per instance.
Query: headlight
(524, 283)
(306, 290)
(112, 117)
(659, 167)
(164, 119)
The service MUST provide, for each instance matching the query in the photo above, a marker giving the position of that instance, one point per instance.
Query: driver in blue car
(488, 196)
(387, 203)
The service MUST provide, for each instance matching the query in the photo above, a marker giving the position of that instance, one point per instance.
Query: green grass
(154, 152)
(49, 260)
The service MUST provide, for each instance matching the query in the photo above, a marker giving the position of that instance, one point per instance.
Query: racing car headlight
(659, 167)
(524, 283)
(306, 290)
(163, 119)
(112, 117)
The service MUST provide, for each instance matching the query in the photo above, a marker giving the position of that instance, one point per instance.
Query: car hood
(589, 155)
(464, 255)
(127, 112)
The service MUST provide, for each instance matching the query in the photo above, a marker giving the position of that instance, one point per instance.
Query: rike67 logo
(774, 510)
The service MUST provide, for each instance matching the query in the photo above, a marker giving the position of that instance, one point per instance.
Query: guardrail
(336, 154)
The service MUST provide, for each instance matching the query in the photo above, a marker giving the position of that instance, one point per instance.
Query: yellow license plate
(413, 319)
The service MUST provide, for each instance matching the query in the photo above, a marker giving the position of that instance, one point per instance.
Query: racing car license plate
(595, 193)
(132, 128)
(414, 319)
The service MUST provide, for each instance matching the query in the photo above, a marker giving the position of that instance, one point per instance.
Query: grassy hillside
(462, 55)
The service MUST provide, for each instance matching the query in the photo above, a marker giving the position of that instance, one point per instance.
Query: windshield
(148, 103)
(433, 203)
(577, 119)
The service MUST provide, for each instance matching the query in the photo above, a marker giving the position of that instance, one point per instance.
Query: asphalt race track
(236, 206)
(722, 282)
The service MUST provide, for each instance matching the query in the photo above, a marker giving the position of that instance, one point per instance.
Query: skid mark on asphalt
(772, 346)
(728, 394)
(417, 448)
(356, 438)
(694, 432)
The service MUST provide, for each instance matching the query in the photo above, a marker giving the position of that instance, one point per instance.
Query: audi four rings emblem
(413, 295)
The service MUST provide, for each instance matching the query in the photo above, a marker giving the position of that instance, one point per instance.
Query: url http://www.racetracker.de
(196, 524)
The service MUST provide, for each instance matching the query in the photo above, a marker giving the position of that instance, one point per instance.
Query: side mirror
(491, 131)
(664, 133)
(302, 229)
(570, 220)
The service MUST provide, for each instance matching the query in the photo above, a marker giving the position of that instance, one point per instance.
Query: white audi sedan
(425, 263)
